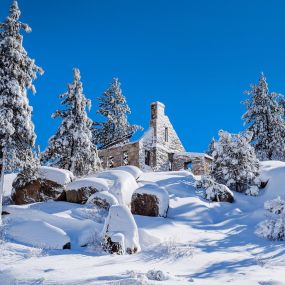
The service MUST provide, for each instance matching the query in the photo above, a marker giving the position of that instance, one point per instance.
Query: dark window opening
(166, 134)
(188, 165)
(170, 160)
(147, 157)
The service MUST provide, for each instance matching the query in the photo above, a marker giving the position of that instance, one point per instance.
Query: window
(125, 158)
(147, 157)
(170, 161)
(111, 161)
(166, 134)
(188, 165)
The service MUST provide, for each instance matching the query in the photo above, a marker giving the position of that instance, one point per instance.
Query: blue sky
(197, 57)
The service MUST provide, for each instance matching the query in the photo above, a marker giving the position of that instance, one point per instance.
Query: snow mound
(121, 184)
(57, 175)
(160, 193)
(39, 234)
(133, 170)
(88, 182)
(121, 225)
(103, 197)
(274, 172)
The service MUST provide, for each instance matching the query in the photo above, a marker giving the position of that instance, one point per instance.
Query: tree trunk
(2, 183)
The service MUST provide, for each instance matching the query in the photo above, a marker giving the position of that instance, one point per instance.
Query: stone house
(159, 149)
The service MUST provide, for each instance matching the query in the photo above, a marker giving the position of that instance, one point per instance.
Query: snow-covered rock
(103, 199)
(133, 170)
(89, 182)
(49, 185)
(57, 175)
(121, 184)
(120, 232)
(150, 200)
(80, 190)
(39, 234)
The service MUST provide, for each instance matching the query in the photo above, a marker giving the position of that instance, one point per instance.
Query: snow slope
(198, 243)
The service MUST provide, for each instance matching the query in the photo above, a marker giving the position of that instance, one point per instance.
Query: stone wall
(127, 154)
(198, 163)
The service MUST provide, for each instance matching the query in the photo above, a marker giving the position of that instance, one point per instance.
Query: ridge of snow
(121, 184)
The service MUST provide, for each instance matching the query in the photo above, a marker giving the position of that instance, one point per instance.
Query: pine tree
(17, 73)
(211, 147)
(234, 161)
(264, 117)
(116, 129)
(71, 147)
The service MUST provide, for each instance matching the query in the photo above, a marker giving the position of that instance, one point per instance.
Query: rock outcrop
(150, 200)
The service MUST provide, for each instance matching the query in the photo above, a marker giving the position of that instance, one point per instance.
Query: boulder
(36, 191)
(80, 190)
(120, 232)
(103, 200)
(150, 200)
(49, 185)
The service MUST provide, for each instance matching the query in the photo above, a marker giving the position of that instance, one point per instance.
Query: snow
(39, 234)
(59, 176)
(120, 221)
(105, 196)
(92, 182)
(133, 170)
(8, 181)
(200, 242)
(121, 184)
(160, 193)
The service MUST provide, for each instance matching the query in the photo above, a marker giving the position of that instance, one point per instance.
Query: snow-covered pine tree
(71, 147)
(264, 118)
(273, 227)
(17, 72)
(234, 161)
(211, 147)
(116, 129)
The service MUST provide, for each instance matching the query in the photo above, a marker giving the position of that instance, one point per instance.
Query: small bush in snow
(157, 275)
(172, 249)
(215, 191)
(252, 191)
(273, 228)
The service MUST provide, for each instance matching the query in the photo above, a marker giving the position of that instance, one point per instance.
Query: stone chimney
(157, 115)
